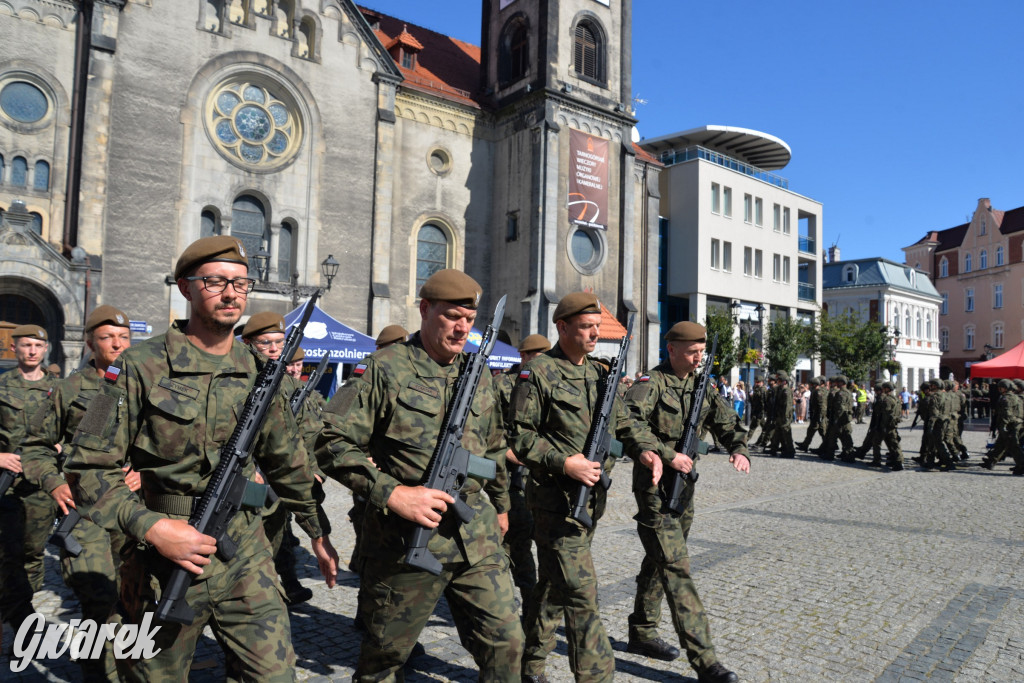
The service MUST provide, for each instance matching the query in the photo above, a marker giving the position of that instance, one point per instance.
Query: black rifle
(300, 395)
(62, 528)
(679, 487)
(598, 443)
(7, 477)
(451, 463)
(225, 493)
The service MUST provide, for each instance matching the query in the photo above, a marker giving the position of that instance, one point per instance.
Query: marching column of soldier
(131, 439)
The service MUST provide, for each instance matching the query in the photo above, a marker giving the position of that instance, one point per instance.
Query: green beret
(453, 286)
(298, 355)
(260, 323)
(782, 375)
(390, 335)
(687, 332)
(105, 315)
(217, 248)
(33, 331)
(577, 302)
(535, 342)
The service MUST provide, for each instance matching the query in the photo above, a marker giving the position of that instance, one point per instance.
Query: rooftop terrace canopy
(753, 147)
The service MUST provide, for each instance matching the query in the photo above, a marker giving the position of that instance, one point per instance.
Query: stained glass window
(248, 223)
(251, 123)
(19, 171)
(41, 180)
(23, 102)
(431, 253)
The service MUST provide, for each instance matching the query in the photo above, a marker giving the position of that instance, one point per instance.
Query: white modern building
(898, 296)
(732, 230)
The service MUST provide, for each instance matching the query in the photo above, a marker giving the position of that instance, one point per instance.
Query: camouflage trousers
(814, 427)
(93, 576)
(243, 604)
(26, 521)
(873, 441)
(566, 582)
(782, 438)
(665, 573)
(840, 434)
(518, 543)
(399, 599)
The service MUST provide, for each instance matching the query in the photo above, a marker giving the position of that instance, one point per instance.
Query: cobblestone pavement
(810, 570)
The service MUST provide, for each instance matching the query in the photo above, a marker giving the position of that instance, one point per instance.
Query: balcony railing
(697, 152)
(805, 291)
(808, 245)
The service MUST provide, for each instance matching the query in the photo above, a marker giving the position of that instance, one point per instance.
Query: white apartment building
(898, 296)
(733, 231)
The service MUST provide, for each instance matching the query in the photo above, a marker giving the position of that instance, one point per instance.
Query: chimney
(833, 253)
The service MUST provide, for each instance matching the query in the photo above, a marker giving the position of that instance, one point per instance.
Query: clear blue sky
(900, 114)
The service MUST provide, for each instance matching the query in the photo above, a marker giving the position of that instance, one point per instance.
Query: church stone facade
(308, 128)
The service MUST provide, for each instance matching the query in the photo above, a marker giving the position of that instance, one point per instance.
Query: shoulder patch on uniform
(359, 370)
(524, 374)
(112, 373)
(644, 378)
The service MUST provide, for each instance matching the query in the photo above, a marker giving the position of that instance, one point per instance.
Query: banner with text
(588, 180)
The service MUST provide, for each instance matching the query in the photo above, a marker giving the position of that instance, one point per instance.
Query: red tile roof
(610, 327)
(405, 39)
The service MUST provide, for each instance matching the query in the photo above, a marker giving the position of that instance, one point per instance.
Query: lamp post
(328, 268)
(748, 326)
(894, 345)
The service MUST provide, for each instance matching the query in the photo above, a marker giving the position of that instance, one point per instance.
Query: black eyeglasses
(217, 284)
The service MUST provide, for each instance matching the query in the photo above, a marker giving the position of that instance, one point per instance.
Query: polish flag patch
(359, 370)
(645, 378)
(112, 373)
(525, 374)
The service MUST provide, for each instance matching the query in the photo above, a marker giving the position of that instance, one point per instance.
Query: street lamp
(328, 268)
(748, 326)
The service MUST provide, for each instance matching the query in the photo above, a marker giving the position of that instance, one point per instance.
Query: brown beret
(453, 286)
(299, 354)
(686, 332)
(577, 302)
(535, 342)
(267, 321)
(33, 331)
(105, 315)
(391, 334)
(216, 248)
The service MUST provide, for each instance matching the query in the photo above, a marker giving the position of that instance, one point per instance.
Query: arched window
(284, 15)
(285, 240)
(36, 225)
(969, 338)
(212, 10)
(307, 38)
(431, 253)
(513, 57)
(928, 327)
(249, 224)
(209, 223)
(944, 267)
(983, 260)
(999, 256)
(41, 181)
(587, 52)
(19, 172)
(967, 263)
(906, 322)
(917, 327)
(238, 12)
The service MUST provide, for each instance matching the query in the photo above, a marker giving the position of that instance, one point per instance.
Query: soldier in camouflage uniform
(768, 430)
(958, 409)
(1006, 416)
(552, 407)
(840, 420)
(889, 412)
(167, 407)
(392, 411)
(26, 512)
(518, 542)
(782, 436)
(873, 438)
(93, 574)
(939, 413)
(662, 399)
(758, 399)
(816, 424)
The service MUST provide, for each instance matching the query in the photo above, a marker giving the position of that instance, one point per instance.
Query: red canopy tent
(1009, 365)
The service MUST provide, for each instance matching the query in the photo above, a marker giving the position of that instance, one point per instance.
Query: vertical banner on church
(588, 180)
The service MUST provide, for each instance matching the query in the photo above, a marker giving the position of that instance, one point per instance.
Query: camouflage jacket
(889, 412)
(840, 408)
(504, 382)
(55, 421)
(1007, 413)
(167, 408)
(757, 401)
(553, 405)
(392, 410)
(783, 398)
(662, 400)
(19, 399)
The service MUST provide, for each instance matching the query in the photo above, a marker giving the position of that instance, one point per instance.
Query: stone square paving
(810, 571)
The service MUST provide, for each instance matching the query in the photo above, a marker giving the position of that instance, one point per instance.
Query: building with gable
(316, 128)
(978, 270)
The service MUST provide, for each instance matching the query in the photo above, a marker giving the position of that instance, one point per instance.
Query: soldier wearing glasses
(167, 407)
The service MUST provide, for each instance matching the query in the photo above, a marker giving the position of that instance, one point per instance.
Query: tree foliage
(853, 346)
(788, 339)
(720, 323)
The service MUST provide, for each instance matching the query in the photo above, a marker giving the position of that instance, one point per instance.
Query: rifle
(679, 487)
(7, 477)
(62, 528)
(300, 395)
(451, 463)
(598, 442)
(914, 422)
(225, 494)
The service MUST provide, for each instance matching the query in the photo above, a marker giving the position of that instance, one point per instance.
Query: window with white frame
(969, 299)
(917, 324)
(785, 220)
(777, 267)
(997, 335)
(928, 327)
(748, 261)
(944, 339)
(983, 259)
(944, 267)
(969, 338)
(748, 208)
(967, 263)
(716, 248)
(727, 256)
(906, 322)
(716, 198)
(997, 296)
(758, 212)
(983, 228)
(785, 269)
(944, 310)
(758, 263)
(776, 218)
(999, 256)
(727, 202)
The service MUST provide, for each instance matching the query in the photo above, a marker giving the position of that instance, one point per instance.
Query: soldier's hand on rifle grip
(11, 461)
(503, 523)
(682, 463)
(180, 542)
(420, 504)
(652, 461)
(62, 494)
(740, 462)
(582, 470)
(132, 478)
